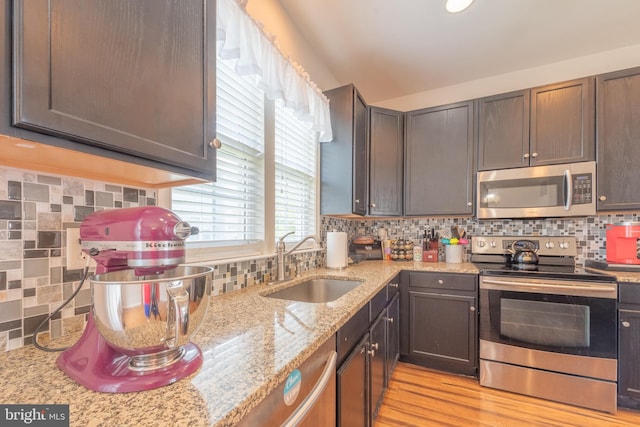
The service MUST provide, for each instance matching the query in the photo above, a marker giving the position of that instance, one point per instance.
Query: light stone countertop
(250, 344)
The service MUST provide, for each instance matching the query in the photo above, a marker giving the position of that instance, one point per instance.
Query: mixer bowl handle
(178, 315)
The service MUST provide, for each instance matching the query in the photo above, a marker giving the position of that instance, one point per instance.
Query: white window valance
(257, 54)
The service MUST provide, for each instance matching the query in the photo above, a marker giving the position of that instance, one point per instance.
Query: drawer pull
(626, 324)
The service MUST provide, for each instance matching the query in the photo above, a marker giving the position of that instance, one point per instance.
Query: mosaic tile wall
(36, 210)
(589, 232)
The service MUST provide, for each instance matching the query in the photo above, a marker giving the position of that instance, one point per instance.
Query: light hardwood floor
(422, 397)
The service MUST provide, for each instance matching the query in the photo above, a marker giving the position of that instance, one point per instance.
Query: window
(230, 212)
(296, 154)
(266, 176)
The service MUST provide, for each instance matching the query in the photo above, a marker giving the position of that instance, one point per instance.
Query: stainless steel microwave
(538, 191)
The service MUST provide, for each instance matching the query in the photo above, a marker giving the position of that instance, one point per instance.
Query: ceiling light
(455, 6)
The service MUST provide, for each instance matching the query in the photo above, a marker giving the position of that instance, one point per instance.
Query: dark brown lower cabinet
(364, 374)
(393, 337)
(377, 355)
(629, 346)
(439, 321)
(352, 393)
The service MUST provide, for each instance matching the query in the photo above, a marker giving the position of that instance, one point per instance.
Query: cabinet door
(503, 131)
(442, 330)
(393, 337)
(563, 123)
(360, 164)
(629, 355)
(439, 160)
(377, 360)
(618, 124)
(385, 165)
(353, 387)
(132, 77)
(344, 170)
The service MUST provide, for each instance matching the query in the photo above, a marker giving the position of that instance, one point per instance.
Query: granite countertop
(250, 344)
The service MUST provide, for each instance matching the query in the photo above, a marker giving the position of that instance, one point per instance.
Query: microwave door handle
(568, 183)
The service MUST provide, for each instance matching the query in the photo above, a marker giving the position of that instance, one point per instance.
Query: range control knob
(549, 245)
(493, 244)
(481, 243)
(564, 245)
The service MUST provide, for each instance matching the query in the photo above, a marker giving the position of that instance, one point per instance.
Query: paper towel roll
(337, 250)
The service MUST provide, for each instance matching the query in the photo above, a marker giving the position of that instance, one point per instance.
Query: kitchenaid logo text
(34, 415)
(164, 245)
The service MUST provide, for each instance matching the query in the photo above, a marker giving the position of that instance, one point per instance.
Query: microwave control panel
(582, 189)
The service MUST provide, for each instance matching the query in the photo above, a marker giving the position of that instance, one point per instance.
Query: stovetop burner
(556, 259)
(568, 272)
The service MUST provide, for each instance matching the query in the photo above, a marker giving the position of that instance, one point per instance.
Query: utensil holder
(453, 254)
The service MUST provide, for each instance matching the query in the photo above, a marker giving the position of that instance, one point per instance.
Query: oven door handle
(594, 288)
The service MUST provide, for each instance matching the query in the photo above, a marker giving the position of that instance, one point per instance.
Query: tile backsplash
(36, 210)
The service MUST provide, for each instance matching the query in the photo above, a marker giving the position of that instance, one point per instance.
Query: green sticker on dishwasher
(292, 387)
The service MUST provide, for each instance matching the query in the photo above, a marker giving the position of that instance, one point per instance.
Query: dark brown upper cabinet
(128, 80)
(547, 125)
(618, 140)
(361, 169)
(386, 137)
(344, 162)
(439, 170)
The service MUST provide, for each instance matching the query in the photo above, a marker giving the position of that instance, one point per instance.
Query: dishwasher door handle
(308, 403)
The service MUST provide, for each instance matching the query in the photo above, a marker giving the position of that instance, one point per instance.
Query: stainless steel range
(547, 327)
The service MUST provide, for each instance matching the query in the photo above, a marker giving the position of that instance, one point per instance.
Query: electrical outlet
(76, 259)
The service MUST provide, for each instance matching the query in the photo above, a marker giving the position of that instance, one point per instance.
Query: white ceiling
(393, 48)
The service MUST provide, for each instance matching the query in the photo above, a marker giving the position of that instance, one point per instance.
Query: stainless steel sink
(316, 290)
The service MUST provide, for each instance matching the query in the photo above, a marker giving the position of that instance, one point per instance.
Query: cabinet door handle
(526, 155)
(534, 155)
(375, 346)
(603, 198)
(390, 320)
(371, 353)
(469, 203)
(373, 205)
(472, 309)
(216, 143)
(357, 200)
(626, 324)
(393, 285)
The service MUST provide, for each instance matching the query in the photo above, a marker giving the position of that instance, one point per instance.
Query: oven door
(566, 317)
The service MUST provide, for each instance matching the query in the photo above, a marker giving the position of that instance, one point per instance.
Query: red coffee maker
(623, 245)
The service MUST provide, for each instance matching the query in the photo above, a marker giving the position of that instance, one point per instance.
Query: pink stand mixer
(144, 305)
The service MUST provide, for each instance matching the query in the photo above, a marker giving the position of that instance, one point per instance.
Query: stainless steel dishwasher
(307, 397)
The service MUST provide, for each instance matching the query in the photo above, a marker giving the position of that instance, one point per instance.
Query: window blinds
(231, 210)
(295, 170)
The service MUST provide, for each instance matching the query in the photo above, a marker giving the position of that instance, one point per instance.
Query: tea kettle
(523, 252)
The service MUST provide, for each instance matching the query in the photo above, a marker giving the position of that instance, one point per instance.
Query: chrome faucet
(280, 251)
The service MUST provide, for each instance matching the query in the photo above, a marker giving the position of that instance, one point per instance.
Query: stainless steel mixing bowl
(143, 315)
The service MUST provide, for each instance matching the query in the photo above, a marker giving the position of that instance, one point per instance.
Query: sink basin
(317, 290)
